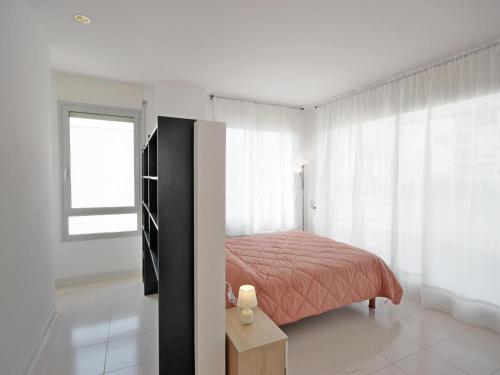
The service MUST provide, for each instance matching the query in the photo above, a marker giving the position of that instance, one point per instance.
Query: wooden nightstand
(256, 349)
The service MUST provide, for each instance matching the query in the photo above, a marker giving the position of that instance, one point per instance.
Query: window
(100, 171)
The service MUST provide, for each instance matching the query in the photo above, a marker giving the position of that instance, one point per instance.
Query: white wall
(80, 259)
(209, 255)
(151, 110)
(175, 99)
(180, 99)
(26, 282)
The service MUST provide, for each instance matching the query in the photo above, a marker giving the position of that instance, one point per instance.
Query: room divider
(183, 164)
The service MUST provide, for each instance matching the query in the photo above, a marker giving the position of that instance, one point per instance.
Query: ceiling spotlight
(80, 18)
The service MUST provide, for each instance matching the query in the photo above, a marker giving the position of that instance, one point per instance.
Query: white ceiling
(288, 51)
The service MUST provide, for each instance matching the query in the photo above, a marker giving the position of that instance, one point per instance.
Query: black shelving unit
(168, 239)
(153, 199)
(150, 268)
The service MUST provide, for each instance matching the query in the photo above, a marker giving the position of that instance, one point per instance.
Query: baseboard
(36, 355)
(98, 277)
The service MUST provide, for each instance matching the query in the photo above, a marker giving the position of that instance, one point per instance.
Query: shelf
(150, 270)
(152, 241)
(149, 222)
(153, 199)
(153, 236)
(148, 214)
(154, 220)
(156, 263)
(145, 157)
(153, 135)
(170, 164)
(152, 155)
(154, 132)
(146, 235)
(150, 136)
(145, 190)
(145, 219)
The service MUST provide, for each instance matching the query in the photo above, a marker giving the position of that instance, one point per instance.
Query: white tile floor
(404, 339)
(101, 328)
(112, 328)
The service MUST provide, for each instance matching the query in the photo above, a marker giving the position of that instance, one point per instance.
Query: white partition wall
(209, 232)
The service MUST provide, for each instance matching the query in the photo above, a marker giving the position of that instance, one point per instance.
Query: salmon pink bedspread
(298, 274)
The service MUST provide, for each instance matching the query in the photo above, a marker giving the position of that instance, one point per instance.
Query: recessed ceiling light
(80, 18)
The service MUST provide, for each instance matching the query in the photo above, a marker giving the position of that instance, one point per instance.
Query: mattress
(299, 274)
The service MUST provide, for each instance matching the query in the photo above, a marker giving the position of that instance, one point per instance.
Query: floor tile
(314, 358)
(353, 355)
(297, 341)
(304, 370)
(390, 340)
(428, 364)
(352, 319)
(320, 330)
(391, 370)
(131, 351)
(442, 321)
(485, 340)
(146, 368)
(397, 348)
(133, 301)
(84, 361)
(82, 315)
(420, 332)
(385, 340)
(409, 306)
(467, 357)
(126, 325)
(72, 336)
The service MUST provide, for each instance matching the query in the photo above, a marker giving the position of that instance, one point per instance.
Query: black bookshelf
(168, 239)
(150, 268)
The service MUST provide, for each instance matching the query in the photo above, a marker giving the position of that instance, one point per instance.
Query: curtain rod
(256, 102)
(412, 72)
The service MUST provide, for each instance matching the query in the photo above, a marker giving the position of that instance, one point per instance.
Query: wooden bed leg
(371, 303)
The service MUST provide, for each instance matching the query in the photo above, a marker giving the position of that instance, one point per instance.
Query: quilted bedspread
(298, 274)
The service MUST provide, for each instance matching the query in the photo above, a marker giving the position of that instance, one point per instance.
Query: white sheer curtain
(263, 192)
(411, 171)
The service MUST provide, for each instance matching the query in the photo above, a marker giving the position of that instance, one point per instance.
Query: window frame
(67, 211)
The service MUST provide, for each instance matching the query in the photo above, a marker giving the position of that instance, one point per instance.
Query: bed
(299, 274)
